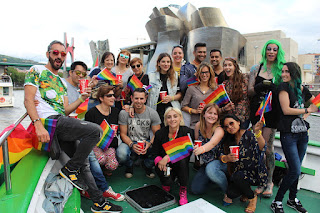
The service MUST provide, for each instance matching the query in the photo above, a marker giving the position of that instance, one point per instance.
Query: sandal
(243, 198)
(259, 190)
(268, 192)
(227, 201)
(251, 208)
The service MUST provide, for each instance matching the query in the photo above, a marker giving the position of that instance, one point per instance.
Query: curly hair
(295, 82)
(237, 80)
(171, 72)
(276, 67)
(212, 83)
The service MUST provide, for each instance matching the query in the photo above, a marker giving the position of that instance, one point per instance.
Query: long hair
(276, 67)
(212, 83)
(237, 80)
(203, 125)
(171, 72)
(295, 82)
(176, 110)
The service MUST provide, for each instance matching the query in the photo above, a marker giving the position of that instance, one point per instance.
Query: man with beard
(43, 84)
(215, 60)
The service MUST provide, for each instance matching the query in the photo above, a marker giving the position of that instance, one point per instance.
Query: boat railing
(5, 154)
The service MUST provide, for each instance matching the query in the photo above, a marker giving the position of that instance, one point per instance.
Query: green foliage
(17, 77)
(10, 59)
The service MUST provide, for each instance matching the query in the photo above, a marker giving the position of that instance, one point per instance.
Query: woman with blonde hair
(174, 128)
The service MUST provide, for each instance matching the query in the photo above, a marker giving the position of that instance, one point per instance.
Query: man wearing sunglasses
(43, 84)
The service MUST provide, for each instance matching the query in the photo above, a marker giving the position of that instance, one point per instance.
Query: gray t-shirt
(139, 127)
(72, 91)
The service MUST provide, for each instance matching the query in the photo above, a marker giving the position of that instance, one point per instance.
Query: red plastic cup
(119, 77)
(83, 85)
(197, 143)
(202, 104)
(163, 94)
(235, 150)
(73, 115)
(114, 127)
(140, 144)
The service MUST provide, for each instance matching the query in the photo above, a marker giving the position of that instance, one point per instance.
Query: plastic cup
(73, 115)
(140, 144)
(119, 77)
(197, 143)
(163, 94)
(83, 85)
(235, 150)
(202, 104)
(114, 127)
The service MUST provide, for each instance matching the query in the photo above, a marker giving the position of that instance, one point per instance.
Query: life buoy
(2, 99)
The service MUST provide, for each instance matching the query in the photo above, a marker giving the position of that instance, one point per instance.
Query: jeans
(97, 172)
(215, 172)
(126, 156)
(294, 146)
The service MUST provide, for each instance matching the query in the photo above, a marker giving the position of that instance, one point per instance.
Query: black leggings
(238, 186)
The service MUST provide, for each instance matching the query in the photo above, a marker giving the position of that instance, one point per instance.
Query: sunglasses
(134, 66)
(109, 95)
(275, 49)
(56, 52)
(180, 46)
(124, 56)
(78, 73)
(231, 124)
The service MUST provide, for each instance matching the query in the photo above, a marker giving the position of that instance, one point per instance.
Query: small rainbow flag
(219, 96)
(107, 137)
(50, 126)
(82, 109)
(134, 83)
(147, 88)
(316, 100)
(106, 75)
(192, 81)
(265, 105)
(178, 148)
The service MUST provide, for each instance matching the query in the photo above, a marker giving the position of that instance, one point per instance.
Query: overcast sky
(27, 27)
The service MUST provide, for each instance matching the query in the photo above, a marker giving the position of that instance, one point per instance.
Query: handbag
(299, 125)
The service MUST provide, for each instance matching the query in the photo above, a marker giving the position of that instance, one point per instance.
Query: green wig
(278, 64)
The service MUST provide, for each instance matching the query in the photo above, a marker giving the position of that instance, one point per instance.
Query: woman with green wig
(264, 78)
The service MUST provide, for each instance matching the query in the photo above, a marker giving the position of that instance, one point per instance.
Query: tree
(17, 77)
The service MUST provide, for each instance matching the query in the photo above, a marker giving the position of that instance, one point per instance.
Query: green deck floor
(310, 200)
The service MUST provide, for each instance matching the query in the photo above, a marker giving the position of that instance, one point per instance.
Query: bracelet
(203, 149)
(305, 110)
(131, 144)
(222, 159)
(80, 99)
(190, 111)
(259, 134)
(38, 119)
(173, 98)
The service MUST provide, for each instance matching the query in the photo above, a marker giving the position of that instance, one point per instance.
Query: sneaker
(72, 177)
(85, 194)
(183, 195)
(276, 207)
(149, 172)
(106, 206)
(296, 204)
(129, 172)
(109, 193)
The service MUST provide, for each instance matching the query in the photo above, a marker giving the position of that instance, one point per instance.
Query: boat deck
(310, 200)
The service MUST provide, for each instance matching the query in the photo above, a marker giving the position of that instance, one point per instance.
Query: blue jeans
(97, 172)
(215, 172)
(294, 146)
(126, 157)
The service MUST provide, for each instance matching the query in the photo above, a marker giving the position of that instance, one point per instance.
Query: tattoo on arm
(252, 80)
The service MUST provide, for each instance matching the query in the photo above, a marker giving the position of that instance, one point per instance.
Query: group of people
(146, 119)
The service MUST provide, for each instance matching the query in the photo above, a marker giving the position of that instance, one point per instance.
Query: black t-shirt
(221, 77)
(95, 116)
(285, 121)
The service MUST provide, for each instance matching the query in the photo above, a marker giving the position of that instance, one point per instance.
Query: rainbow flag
(82, 109)
(134, 83)
(147, 88)
(107, 137)
(219, 96)
(265, 105)
(192, 81)
(178, 148)
(106, 75)
(316, 100)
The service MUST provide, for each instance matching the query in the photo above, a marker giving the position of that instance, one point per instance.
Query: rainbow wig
(278, 64)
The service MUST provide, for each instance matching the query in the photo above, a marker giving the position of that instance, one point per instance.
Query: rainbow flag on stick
(316, 100)
(107, 137)
(192, 81)
(82, 109)
(178, 148)
(147, 88)
(265, 105)
(134, 83)
(219, 96)
(106, 75)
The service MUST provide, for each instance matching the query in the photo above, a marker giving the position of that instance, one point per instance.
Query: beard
(56, 67)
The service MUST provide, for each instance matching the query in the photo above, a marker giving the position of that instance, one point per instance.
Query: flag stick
(226, 92)
(158, 102)
(192, 145)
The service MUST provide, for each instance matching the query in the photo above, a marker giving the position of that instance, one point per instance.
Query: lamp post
(255, 54)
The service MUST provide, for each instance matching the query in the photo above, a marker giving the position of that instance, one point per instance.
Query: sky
(27, 27)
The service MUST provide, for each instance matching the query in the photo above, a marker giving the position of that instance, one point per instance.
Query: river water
(9, 115)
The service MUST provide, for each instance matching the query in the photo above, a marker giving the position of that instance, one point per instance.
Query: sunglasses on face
(275, 49)
(124, 56)
(78, 73)
(231, 124)
(109, 95)
(134, 66)
(56, 52)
